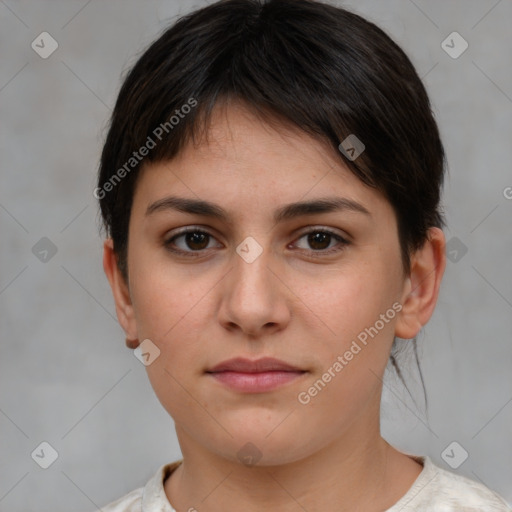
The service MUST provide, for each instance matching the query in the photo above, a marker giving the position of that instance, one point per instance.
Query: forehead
(237, 133)
(249, 164)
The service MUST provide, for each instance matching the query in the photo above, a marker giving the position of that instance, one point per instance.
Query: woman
(270, 189)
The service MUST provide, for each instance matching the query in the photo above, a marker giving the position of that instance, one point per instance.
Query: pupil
(318, 238)
(195, 238)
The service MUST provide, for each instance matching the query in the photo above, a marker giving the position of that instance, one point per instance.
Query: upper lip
(265, 364)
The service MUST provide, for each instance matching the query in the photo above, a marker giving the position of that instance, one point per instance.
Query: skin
(288, 304)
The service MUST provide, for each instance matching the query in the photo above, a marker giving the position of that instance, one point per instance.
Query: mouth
(265, 364)
(257, 376)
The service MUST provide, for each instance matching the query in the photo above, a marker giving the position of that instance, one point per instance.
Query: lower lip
(255, 382)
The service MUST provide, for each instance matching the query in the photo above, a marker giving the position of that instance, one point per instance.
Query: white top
(434, 490)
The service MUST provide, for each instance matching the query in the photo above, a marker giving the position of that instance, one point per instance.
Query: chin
(252, 448)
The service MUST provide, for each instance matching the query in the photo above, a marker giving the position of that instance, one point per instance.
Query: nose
(253, 297)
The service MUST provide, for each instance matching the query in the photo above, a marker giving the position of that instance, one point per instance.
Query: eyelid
(318, 227)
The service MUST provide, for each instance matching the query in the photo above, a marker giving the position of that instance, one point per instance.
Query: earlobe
(421, 288)
(121, 293)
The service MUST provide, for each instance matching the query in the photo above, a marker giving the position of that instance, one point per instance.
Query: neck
(360, 470)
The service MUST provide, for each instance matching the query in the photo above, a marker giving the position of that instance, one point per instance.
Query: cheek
(348, 301)
(355, 311)
(171, 309)
(354, 353)
(163, 296)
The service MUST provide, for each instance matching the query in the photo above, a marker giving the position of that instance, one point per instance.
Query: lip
(265, 364)
(257, 376)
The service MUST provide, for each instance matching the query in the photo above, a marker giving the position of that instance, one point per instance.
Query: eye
(193, 238)
(321, 239)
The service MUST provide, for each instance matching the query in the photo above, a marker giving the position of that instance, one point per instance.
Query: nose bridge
(251, 298)
(251, 272)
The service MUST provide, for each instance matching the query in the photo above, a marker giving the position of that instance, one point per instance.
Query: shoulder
(458, 490)
(150, 497)
(439, 490)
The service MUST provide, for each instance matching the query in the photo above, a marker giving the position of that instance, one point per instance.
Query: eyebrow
(286, 212)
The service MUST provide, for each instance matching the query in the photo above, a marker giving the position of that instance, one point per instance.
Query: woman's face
(254, 285)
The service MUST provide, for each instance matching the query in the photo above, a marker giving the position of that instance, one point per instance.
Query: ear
(121, 293)
(421, 288)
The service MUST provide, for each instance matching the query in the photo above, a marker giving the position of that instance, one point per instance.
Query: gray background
(66, 376)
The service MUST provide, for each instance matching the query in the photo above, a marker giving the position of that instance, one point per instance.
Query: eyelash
(315, 253)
